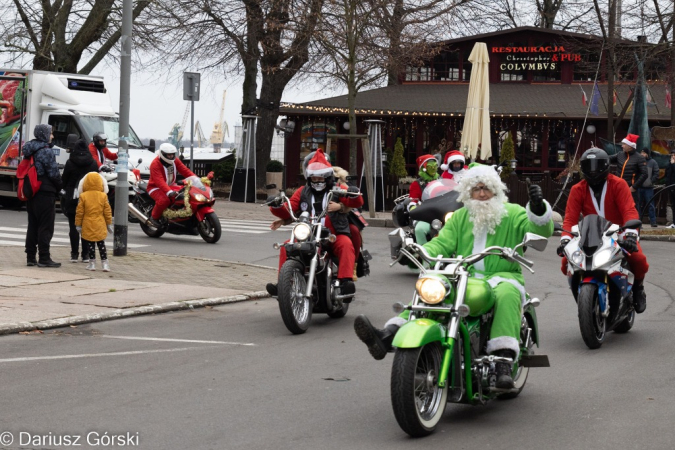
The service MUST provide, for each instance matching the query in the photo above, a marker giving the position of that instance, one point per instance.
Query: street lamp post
(122, 186)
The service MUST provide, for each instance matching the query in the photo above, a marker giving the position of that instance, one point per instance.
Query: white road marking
(192, 341)
(95, 355)
(55, 239)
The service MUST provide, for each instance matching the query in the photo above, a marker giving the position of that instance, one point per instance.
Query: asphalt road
(206, 387)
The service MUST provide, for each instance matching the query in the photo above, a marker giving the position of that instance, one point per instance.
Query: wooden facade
(537, 81)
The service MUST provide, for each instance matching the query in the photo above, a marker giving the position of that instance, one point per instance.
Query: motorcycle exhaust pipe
(139, 215)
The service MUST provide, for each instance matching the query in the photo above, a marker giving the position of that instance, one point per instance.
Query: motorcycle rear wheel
(418, 402)
(296, 310)
(152, 232)
(591, 322)
(209, 228)
(626, 324)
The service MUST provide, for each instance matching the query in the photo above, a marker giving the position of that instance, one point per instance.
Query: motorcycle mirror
(557, 227)
(535, 241)
(612, 229)
(635, 223)
(140, 160)
(151, 145)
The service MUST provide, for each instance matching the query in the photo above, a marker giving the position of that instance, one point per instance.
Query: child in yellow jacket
(93, 218)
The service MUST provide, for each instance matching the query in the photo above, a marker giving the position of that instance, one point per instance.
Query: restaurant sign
(535, 58)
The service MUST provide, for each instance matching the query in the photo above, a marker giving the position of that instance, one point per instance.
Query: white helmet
(167, 152)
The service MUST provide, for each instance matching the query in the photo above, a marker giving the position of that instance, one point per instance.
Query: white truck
(71, 104)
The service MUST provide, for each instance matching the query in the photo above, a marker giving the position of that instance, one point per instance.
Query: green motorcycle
(441, 351)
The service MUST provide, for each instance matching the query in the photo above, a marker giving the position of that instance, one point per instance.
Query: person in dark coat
(670, 180)
(42, 207)
(632, 165)
(78, 165)
(646, 191)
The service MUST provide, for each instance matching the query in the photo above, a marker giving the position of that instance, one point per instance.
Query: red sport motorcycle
(191, 212)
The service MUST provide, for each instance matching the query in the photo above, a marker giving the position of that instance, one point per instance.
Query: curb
(128, 312)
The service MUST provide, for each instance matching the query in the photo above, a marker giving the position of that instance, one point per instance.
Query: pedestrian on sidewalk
(670, 180)
(78, 165)
(632, 165)
(646, 191)
(93, 218)
(42, 206)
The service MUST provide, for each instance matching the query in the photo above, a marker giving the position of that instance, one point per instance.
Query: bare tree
(58, 35)
(265, 40)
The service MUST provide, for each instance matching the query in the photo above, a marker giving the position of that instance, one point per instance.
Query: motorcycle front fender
(418, 333)
(200, 213)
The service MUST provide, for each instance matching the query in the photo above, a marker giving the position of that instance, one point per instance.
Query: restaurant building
(538, 82)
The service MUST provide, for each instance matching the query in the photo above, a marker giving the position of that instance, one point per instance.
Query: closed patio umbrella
(476, 129)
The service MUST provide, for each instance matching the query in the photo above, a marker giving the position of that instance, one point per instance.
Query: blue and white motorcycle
(600, 278)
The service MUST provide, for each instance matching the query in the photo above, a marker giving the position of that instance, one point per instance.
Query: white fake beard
(486, 215)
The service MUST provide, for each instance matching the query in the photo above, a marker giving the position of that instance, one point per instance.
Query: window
(544, 68)
(446, 67)
(512, 66)
(585, 69)
(62, 126)
(313, 136)
(466, 67)
(418, 73)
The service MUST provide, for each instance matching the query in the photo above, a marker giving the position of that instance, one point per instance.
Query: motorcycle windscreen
(437, 188)
(591, 231)
(436, 208)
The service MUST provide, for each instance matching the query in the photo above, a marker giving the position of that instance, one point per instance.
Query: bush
(275, 166)
(224, 171)
(397, 166)
(507, 153)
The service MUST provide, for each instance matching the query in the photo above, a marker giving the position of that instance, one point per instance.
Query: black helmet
(595, 166)
(98, 137)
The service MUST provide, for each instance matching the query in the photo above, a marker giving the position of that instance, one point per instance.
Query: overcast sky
(155, 107)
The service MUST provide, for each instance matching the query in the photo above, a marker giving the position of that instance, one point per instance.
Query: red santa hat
(631, 140)
(318, 166)
(423, 160)
(450, 157)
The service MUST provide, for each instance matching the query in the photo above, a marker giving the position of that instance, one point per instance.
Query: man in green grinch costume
(428, 172)
(486, 220)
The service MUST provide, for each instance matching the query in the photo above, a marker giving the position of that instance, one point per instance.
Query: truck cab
(71, 104)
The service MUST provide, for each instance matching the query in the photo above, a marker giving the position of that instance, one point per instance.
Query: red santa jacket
(159, 174)
(282, 212)
(450, 175)
(617, 204)
(107, 154)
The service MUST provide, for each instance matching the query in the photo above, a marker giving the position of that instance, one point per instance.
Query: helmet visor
(594, 169)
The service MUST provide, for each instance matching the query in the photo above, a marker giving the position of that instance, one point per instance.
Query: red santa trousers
(162, 201)
(343, 248)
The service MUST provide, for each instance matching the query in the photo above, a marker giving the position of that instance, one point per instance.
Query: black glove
(353, 190)
(273, 201)
(630, 244)
(561, 248)
(171, 194)
(537, 205)
(105, 169)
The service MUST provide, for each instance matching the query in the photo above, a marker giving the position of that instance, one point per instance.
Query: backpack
(29, 184)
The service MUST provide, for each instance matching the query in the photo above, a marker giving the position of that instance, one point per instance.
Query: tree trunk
(394, 32)
(351, 101)
(671, 82)
(270, 95)
(610, 70)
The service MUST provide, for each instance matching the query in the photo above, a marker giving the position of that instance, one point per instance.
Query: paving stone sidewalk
(33, 297)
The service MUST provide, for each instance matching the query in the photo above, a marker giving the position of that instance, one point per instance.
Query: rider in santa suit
(454, 167)
(320, 180)
(99, 151)
(162, 185)
(610, 197)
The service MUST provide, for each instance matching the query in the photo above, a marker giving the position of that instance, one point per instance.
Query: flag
(584, 99)
(650, 102)
(668, 99)
(595, 100)
(614, 99)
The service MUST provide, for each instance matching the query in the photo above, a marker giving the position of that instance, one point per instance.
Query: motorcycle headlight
(200, 197)
(436, 224)
(578, 258)
(301, 232)
(448, 216)
(602, 257)
(432, 290)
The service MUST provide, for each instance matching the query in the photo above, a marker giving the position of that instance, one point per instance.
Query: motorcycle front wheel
(418, 401)
(591, 322)
(295, 308)
(209, 228)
